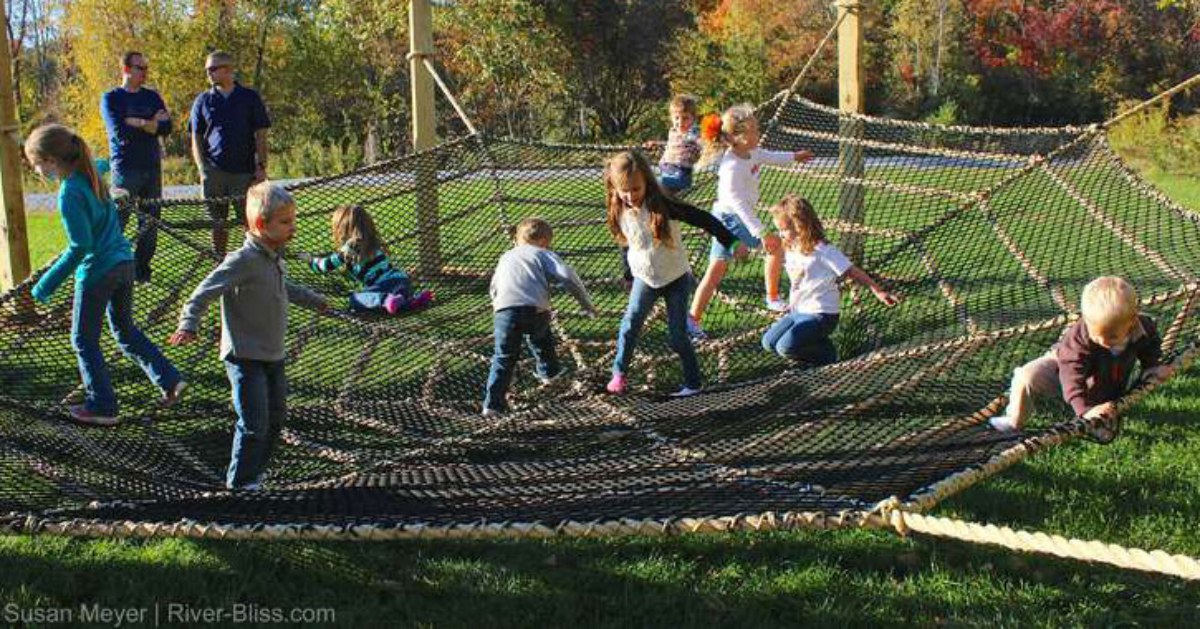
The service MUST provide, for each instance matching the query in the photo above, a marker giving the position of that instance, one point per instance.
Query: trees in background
(509, 64)
(335, 76)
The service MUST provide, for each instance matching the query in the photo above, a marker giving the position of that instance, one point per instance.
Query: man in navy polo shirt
(229, 142)
(136, 117)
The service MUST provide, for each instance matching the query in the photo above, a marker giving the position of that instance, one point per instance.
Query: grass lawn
(1140, 491)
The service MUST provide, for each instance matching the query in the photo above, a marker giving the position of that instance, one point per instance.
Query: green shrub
(1153, 139)
(313, 158)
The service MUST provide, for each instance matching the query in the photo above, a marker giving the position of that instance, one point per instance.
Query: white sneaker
(1003, 423)
(490, 412)
(777, 305)
(169, 398)
(685, 392)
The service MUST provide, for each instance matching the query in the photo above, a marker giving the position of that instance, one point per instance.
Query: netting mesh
(989, 245)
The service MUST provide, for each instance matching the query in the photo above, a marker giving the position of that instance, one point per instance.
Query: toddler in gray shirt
(520, 294)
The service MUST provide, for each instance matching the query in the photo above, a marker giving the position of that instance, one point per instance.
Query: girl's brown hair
(61, 144)
(621, 167)
(800, 221)
(354, 234)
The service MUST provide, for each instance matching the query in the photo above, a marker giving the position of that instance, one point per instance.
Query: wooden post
(420, 34)
(14, 246)
(850, 101)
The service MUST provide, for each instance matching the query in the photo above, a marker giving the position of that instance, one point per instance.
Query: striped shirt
(374, 270)
(682, 150)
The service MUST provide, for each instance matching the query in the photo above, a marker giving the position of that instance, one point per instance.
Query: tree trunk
(935, 78)
(371, 144)
(262, 47)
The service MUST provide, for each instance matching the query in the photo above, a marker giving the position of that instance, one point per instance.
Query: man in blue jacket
(136, 117)
(229, 142)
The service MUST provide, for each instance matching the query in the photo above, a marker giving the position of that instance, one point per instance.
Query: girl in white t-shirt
(814, 267)
(644, 218)
(732, 140)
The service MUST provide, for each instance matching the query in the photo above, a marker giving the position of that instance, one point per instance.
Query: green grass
(1141, 491)
(46, 237)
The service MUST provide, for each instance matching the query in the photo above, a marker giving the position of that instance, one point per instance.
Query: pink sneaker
(81, 414)
(617, 385)
(393, 304)
(423, 298)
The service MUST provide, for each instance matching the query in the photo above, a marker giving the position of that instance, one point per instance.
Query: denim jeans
(371, 298)
(114, 294)
(718, 251)
(510, 326)
(641, 301)
(804, 337)
(675, 179)
(142, 184)
(260, 400)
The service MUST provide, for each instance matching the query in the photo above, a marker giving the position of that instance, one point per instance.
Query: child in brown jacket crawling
(1093, 360)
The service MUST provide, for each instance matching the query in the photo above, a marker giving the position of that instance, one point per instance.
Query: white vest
(656, 264)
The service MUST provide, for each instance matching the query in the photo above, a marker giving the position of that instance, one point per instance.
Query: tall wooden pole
(850, 101)
(420, 35)
(14, 256)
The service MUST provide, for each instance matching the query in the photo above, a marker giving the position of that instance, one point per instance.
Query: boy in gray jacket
(520, 293)
(252, 285)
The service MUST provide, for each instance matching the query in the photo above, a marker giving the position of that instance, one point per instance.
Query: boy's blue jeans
(260, 400)
(114, 294)
(675, 178)
(511, 324)
(371, 298)
(641, 301)
(803, 336)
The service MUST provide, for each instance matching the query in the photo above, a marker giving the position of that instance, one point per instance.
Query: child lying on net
(1093, 360)
(362, 255)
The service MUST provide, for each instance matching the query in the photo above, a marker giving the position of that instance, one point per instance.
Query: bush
(179, 171)
(1152, 139)
(313, 158)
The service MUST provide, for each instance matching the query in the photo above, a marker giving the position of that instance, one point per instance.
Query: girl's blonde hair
(621, 167)
(803, 227)
(61, 144)
(354, 234)
(719, 132)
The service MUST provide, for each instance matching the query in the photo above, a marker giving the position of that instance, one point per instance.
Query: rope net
(989, 235)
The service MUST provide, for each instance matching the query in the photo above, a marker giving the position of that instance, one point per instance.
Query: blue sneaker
(694, 329)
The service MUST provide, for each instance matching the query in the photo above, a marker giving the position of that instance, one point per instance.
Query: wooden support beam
(851, 128)
(14, 243)
(424, 117)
